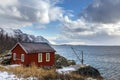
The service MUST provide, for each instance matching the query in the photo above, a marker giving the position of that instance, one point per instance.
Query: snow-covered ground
(65, 70)
(15, 65)
(70, 68)
(6, 76)
(9, 76)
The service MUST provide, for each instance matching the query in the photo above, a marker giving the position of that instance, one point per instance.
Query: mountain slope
(9, 37)
(17, 33)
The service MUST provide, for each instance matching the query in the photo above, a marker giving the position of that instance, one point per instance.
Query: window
(47, 57)
(14, 56)
(22, 57)
(40, 57)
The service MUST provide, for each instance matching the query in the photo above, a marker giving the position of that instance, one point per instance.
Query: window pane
(22, 57)
(14, 56)
(47, 57)
(40, 57)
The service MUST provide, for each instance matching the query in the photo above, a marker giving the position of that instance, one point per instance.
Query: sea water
(105, 58)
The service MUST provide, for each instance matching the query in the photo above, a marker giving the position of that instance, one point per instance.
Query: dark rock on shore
(5, 59)
(61, 61)
(88, 71)
(6, 62)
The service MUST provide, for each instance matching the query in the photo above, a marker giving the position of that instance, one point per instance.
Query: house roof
(36, 47)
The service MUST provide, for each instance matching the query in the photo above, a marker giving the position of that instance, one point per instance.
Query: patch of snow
(4, 75)
(71, 68)
(31, 37)
(31, 78)
(9, 31)
(14, 65)
(66, 70)
(90, 78)
(7, 76)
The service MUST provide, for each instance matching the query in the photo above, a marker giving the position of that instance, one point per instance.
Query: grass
(2, 68)
(40, 73)
(33, 71)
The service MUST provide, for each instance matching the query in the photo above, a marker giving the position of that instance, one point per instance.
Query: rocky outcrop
(5, 59)
(61, 61)
(86, 71)
(89, 71)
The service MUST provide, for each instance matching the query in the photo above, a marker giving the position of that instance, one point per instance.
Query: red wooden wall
(31, 57)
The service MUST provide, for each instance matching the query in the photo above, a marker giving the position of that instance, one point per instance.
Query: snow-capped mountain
(17, 33)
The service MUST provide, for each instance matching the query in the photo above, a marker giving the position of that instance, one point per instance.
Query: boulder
(6, 62)
(5, 59)
(88, 71)
(61, 61)
(71, 62)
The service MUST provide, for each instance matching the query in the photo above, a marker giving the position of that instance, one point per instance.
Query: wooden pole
(76, 54)
(82, 60)
(78, 57)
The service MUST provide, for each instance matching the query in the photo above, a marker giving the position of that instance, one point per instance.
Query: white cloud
(52, 39)
(18, 13)
(5, 3)
(98, 24)
(103, 11)
(81, 31)
(75, 43)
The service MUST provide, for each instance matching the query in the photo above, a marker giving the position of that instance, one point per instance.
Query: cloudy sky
(86, 22)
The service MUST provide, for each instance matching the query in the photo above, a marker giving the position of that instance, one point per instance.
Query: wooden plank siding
(31, 57)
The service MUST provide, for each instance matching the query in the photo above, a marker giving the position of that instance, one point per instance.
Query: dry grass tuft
(40, 73)
(33, 71)
(2, 68)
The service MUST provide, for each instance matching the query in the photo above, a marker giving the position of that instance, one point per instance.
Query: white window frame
(47, 57)
(40, 57)
(22, 57)
(14, 56)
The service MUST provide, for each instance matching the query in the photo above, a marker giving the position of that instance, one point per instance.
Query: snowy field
(6, 76)
(9, 76)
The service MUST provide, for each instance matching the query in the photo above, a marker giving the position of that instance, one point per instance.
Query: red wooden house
(42, 54)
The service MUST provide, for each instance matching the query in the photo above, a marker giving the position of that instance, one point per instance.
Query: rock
(6, 62)
(89, 71)
(61, 61)
(5, 59)
(71, 62)
(86, 71)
